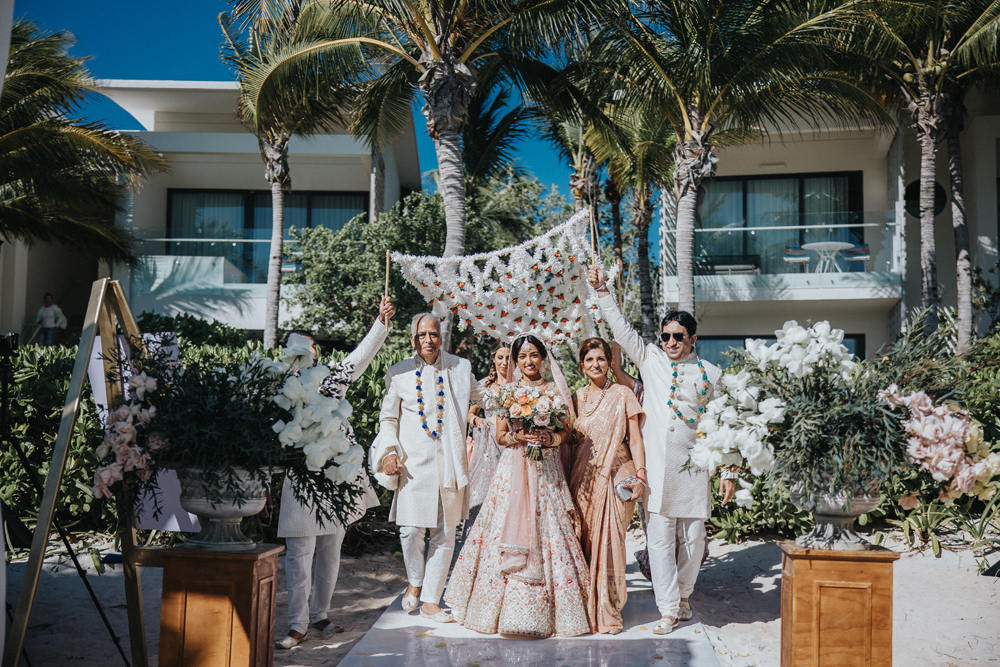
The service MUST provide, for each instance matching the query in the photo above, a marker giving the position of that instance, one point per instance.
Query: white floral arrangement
(537, 286)
(736, 426)
(320, 425)
(947, 443)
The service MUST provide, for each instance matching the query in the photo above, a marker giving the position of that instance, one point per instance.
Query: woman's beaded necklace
(586, 398)
(702, 400)
(440, 401)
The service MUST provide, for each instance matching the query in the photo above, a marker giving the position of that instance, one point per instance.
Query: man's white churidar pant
(428, 572)
(299, 570)
(676, 548)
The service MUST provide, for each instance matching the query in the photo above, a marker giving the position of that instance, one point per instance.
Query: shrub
(193, 331)
(40, 381)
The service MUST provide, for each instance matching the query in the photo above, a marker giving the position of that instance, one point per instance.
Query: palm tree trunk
(276, 170)
(451, 170)
(686, 210)
(963, 263)
(643, 218)
(928, 253)
(614, 197)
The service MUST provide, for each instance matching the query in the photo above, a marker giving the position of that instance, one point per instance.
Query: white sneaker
(686, 613)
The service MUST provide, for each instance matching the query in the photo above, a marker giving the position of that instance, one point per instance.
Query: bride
(522, 570)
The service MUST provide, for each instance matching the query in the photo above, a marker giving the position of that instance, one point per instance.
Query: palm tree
(930, 53)
(721, 73)
(61, 179)
(283, 94)
(436, 48)
(639, 156)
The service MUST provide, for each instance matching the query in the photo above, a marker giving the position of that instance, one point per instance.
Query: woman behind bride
(522, 571)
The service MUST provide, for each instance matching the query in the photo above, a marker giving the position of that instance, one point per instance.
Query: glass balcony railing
(801, 243)
(201, 263)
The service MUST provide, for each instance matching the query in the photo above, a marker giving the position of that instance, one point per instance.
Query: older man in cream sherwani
(677, 383)
(420, 454)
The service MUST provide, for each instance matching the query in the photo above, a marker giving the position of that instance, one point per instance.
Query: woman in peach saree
(608, 450)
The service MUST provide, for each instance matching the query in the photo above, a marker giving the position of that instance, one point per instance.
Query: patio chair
(796, 255)
(859, 254)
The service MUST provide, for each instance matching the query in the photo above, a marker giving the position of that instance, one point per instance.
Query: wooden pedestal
(218, 608)
(836, 607)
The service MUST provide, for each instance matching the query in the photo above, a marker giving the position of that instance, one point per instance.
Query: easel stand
(836, 607)
(218, 608)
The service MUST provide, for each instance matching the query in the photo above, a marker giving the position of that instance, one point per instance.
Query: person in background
(49, 318)
(485, 450)
(312, 561)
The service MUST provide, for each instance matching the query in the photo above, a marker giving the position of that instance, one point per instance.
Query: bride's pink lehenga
(544, 591)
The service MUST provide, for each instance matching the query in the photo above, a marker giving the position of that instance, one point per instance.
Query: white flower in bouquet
(744, 496)
(298, 352)
(348, 465)
(293, 389)
(140, 384)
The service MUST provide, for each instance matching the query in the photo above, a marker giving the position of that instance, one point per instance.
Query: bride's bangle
(556, 439)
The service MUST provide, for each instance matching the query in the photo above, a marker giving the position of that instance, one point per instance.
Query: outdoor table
(827, 251)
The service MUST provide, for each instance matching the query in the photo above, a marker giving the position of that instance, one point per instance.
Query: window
(236, 224)
(801, 202)
(714, 348)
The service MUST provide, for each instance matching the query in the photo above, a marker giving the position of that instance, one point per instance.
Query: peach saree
(601, 458)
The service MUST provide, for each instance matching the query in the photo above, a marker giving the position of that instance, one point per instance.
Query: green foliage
(61, 179)
(41, 377)
(193, 331)
(986, 296)
(772, 512)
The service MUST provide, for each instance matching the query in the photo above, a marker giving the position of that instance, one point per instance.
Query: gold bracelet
(556, 439)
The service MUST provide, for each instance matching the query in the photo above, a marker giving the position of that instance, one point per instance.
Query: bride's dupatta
(520, 544)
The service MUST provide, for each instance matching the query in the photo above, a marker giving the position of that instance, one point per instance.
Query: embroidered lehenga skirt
(487, 601)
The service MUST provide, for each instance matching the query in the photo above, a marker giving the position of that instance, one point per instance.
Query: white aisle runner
(401, 638)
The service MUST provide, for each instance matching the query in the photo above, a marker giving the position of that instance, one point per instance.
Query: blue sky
(179, 40)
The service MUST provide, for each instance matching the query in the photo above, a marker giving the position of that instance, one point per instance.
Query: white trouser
(428, 572)
(676, 547)
(298, 567)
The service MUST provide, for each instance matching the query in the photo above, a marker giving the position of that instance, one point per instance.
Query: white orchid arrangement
(320, 425)
(740, 427)
(261, 416)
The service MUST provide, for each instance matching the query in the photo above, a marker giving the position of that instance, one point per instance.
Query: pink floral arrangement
(529, 407)
(948, 444)
(121, 440)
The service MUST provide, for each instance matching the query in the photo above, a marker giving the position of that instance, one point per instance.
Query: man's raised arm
(632, 343)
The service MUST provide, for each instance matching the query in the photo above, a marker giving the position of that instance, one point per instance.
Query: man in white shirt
(48, 318)
(677, 385)
(420, 455)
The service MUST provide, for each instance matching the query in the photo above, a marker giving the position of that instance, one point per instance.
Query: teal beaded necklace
(702, 400)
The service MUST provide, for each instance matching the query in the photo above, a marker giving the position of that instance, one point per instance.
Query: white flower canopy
(538, 287)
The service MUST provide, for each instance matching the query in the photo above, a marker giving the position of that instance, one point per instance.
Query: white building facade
(823, 225)
(203, 227)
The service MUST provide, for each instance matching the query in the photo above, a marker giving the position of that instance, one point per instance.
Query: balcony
(812, 257)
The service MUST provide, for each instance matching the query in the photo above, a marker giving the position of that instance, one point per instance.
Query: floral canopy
(539, 286)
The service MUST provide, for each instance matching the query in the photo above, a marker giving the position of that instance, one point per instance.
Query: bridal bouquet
(532, 408)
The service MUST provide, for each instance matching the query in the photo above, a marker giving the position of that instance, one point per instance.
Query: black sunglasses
(679, 337)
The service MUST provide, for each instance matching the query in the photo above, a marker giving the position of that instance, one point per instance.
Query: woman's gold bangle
(556, 439)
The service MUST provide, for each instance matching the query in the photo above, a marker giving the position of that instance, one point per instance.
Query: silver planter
(220, 523)
(834, 525)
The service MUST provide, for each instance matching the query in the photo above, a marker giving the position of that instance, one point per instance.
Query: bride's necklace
(440, 399)
(702, 400)
(532, 383)
(586, 398)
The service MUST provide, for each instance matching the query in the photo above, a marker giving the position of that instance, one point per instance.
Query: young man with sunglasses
(678, 385)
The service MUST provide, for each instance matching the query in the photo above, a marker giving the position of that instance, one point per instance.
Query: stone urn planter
(220, 523)
(834, 524)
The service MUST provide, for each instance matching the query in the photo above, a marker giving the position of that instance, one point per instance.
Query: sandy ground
(944, 612)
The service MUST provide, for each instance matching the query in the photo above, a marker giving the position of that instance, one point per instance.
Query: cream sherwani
(433, 493)
(677, 502)
(305, 537)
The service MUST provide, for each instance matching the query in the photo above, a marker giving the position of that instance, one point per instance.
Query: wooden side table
(836, 607)
(218, 608)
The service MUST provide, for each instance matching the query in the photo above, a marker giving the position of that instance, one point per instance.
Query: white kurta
(668, 439)
(425, 485)
(296, 519)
